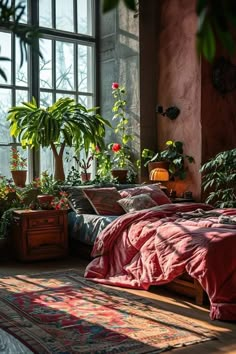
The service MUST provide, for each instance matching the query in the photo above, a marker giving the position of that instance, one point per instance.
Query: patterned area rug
(60, 312)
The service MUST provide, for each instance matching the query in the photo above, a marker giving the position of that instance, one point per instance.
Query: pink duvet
(154, 246)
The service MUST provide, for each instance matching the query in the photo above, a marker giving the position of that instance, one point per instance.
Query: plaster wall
(179, 84)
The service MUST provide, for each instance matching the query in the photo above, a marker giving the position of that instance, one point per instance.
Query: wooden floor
(225, 331)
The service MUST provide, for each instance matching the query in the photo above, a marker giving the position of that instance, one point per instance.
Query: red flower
(97, 149)
(116, 147)
(115, 85)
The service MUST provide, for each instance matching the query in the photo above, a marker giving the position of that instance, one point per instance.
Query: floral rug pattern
(61, 312)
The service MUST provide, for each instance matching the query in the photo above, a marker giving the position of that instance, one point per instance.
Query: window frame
(33, 62)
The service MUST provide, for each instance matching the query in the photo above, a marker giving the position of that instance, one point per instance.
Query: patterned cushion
(78, 201)
(152, 189)
(104, 200)
(137, 202)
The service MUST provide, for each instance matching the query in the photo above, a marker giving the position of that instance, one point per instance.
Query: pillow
(153, 190)
(78, 201)
(137, 202)
(104, 200)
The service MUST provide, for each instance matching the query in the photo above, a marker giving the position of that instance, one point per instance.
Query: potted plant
(219, 179)
(18, 167)
(48, 187)
(173, 158)
(121, 157)
(64, 123)
(84, 164)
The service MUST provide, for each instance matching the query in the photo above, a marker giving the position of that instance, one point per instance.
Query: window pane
(64, 15)
(64, 66)
(46, 160)
(21, 72)
(24, 4)
(45, 13)
(59, 95)
(21, 96)
(5, 161)
(5, 51)
(87, 101)
(68, 160)
(45, 99)
(46, 63)
(85, 13)
(85, 68)
(5, 99)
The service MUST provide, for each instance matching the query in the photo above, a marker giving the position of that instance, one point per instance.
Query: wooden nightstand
(39, 234)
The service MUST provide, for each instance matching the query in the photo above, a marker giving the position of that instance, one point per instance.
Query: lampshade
(159, 174)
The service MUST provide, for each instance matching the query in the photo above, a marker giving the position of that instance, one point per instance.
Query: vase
(19, 177)
(45, 201)
(120, 175)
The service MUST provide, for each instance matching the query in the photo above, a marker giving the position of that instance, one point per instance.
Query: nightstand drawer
(43, 221)
(40, 239)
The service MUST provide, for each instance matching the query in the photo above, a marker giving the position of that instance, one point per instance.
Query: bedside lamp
(160, 175)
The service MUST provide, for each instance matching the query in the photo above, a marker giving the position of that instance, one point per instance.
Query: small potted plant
(84, 164)
(18, 167)
(48, 187)
(120, 150)
(173, 157)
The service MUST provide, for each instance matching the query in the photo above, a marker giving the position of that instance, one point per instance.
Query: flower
(46, 183)
(116, 147)
(61, 202)
(17, 162)
(115, 85)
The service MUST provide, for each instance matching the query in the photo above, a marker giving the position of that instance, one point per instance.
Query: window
(67, 68)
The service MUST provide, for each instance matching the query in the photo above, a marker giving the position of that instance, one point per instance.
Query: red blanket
(154, 246)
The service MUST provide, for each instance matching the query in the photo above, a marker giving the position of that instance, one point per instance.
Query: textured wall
(217, 112)
(179, 83)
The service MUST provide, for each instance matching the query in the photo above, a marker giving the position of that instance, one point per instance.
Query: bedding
(156, 245)
(86, 227)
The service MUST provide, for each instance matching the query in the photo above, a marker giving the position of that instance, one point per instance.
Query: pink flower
(115, 85)
(116, 147)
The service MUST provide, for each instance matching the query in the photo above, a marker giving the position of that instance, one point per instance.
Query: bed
(156, 244)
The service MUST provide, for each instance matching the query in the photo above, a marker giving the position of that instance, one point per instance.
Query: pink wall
(218, 114)
(179, 83)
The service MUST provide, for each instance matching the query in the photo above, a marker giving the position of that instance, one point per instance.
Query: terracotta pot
(120, 175)
(45, 201)
(85, 176)
(19, 177)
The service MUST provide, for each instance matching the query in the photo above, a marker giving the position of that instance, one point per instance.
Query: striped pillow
(104, 200)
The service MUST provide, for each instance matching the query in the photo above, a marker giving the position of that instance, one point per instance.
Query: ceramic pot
(45, 201)
(19, 177)
(120, 175)
(85, 176)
